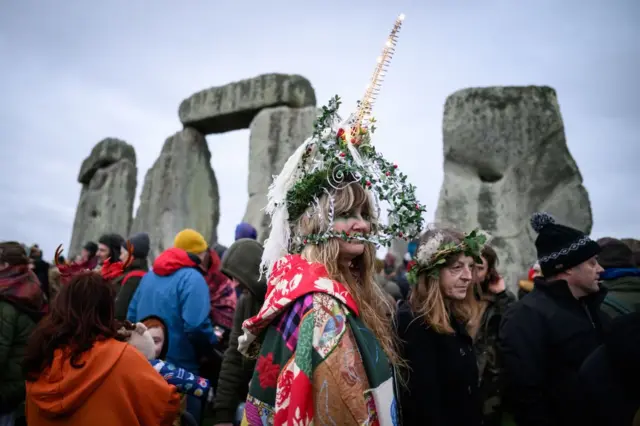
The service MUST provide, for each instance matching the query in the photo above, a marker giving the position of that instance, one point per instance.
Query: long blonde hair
(375, 310)
(427, 299)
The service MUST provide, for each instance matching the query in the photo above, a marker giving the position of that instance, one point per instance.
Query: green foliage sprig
(328, 164)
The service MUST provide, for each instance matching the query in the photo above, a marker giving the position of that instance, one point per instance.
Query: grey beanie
(141, 244)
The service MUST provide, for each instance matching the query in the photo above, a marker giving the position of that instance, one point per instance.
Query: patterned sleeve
(308, 369)
(185, 382)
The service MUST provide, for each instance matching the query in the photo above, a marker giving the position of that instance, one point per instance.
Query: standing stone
(506, 157)
(234, 106)
(275, 134)
(108, 177)
(180, 191)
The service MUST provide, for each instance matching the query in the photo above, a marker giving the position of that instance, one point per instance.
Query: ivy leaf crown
(432, 255)
(340, 155)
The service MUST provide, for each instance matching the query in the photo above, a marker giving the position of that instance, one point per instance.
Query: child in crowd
(149, 337)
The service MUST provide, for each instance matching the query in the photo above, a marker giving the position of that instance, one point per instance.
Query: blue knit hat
(245, 230)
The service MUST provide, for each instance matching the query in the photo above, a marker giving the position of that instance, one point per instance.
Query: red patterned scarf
(222, 293)
(19, 285)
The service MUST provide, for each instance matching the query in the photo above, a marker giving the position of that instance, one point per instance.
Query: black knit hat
(114, 242)
(560, 247)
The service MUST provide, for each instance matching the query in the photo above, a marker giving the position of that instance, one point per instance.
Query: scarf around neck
(20, 286)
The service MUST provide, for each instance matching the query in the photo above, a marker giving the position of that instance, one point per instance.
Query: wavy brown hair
(81, 314)
(375, 310)
(427, 300)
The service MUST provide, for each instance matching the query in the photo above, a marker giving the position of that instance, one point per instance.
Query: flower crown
(336, 155)
(432, 255)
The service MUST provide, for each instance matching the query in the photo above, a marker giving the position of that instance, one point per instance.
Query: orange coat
(116, 386)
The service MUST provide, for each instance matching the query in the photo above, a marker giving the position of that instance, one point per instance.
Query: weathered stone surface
(505, 157)
(106, 152)
(275, 135)
(180, 191)
(234, 106)
(107, 194)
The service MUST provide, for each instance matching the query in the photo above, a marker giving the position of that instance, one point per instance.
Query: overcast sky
(74, 72)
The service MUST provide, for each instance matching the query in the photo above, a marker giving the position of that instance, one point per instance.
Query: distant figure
(109, 248)
(621, 277)
(129, 281)
(245, 230)
(89, 255)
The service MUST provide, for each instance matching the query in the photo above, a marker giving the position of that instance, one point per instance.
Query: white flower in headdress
(429, 248)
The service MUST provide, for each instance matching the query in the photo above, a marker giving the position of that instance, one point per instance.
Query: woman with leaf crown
(323, 338)
(434, 327)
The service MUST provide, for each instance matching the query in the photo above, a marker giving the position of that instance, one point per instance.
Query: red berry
(388, 173)
(342, 154)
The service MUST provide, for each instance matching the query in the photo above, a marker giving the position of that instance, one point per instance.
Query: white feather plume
(277, 245)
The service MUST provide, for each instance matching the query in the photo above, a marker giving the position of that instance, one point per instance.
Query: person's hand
(497, 286)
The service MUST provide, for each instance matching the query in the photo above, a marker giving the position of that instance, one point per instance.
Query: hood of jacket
(622, 279)
(292, 277)
(241, 261)
(174, 259)
(61, 389)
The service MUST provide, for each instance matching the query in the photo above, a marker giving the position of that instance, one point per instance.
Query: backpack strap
(617, 305)
(136, 273)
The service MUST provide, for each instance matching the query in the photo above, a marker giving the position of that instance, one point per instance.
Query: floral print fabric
(316, 361)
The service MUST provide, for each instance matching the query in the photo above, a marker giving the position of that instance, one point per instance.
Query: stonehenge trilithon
(108, 178)
(505, 157)
(275, 134)
(180, 191)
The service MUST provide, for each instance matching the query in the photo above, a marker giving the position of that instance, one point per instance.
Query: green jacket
(623, 295)
(486, 349)
(15, 328)
(241, 262)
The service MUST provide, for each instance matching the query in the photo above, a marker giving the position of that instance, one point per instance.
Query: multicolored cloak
(317, 362)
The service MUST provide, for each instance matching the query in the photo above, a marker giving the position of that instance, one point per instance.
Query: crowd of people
(310, 327)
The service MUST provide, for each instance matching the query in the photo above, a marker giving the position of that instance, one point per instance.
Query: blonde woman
(323, 338)
(442, 376)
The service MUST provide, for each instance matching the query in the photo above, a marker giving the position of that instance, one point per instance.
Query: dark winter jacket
(623, 285)
(128, 284)
(489, 363)
(544, 339)
(442, 385)
(16, 326)
(240, 262)
(610, 376)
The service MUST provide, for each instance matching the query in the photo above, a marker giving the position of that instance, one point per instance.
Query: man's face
(586, 275)
(103, 253)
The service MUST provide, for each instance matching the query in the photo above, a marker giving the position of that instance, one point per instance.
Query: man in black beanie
(109, 248)
(546, 336)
